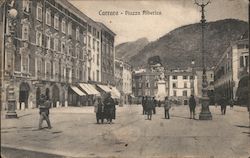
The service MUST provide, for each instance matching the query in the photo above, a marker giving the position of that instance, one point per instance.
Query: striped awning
(89, 89)
(104, 88)
(77, 91)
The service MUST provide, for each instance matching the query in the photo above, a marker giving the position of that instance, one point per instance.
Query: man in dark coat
(100, 111)
(109, 108)
(223, 105)
(143, 105)
(192, 105)
(44, 107)
(149, 107)
(167, 106)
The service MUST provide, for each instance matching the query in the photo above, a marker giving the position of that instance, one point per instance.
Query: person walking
(223, 105)
(149, 105)
(100, 111)
(167, 106)
(192, 105)
(44, 107)
(143, 102)
(154, 105)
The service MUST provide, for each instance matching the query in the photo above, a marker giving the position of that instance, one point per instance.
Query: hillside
(180, 46)
(129, 49)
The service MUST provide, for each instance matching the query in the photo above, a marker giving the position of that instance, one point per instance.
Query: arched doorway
(55, 95)
(24, 94)
(38, 93)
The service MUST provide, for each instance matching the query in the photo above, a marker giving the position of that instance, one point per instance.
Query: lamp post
(10, 49)
(205, 113)
(192, 80)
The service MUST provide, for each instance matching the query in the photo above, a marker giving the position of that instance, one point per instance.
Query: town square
(139, 79)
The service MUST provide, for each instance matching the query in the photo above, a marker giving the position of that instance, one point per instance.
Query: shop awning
(115, 93)
(104, 88)
(77, 90)
(93, 90)
(89, 89)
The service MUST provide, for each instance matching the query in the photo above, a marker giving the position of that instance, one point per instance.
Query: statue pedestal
(161, 93)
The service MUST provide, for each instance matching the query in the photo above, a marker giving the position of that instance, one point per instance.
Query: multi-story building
(231, 69)
(123, 79)
(51, 51)
(94, 51)
(181, 85)
(107, 55)
(145, 83)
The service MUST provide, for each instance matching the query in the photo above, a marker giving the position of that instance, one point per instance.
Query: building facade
(231, 70)
(50, 51)
(181, 85)
(107, 55)
(123, 79)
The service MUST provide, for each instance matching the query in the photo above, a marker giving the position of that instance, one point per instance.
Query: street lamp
(11, 19)
(205, 113)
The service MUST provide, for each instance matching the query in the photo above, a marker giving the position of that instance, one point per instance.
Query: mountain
(129, 49)
(182, 45)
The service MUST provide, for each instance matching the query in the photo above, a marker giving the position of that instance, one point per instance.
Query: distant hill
(182, 45)
(129, 49)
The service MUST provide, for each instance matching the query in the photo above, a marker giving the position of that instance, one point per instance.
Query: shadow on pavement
(181, 117)
(24, 115)
(7, 152)
(242, 126)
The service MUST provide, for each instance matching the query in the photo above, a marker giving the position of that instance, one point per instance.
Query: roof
(106, 28)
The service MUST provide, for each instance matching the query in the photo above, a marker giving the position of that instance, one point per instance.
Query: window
(211, 75)
(140, 85)
(55, 44)
(48, 69)
(93, 45)
(97, 75)
(97, 59)
(56, 22)
(63, 49)
(174, 93)
(184, 77)
(89, 28)
(185, 84)
(48, 17)
(48, 41)
(39, 67)
(98, 34)
(77, 34)
(191, 77)
(76, 54)
(89, 41)
(241, 61)
(25, 32)
(98, 48)
(26, 6)
(69, 28)
(174, 77)
(184, 93)
(174, 85)
(84, 39)
(39, 12)
(94, 31)
(39, 38)
(63, 26)
(147, 84)
(25, 63)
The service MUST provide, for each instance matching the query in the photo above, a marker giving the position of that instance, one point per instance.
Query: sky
(173, 14)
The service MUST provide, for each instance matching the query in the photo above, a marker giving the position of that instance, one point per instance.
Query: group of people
(105, 109)
(149, 104)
